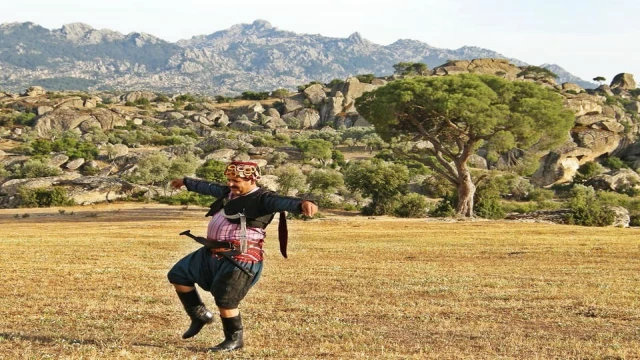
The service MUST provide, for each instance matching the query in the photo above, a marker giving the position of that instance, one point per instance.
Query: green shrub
(380, 208)
(350, 207)
(615, 163)
(488, 205)
(17, 118)
(540, 195)
(4, 173)
(35, 168)
(75, 148)
(212, 170)
(44, 197)
(411, 206)
(142, 101)
(187, 198)
(162, 98)
(627, 201)
(301, 88)
(186, 98)
(445, 207)
(338, 157)
(519, 207)
(334, 82)
(25, 119)
(586, 209)
(537, 72)
(365, 78)
(223, 99)
(436, 186)
(587, 171)
(252, 95)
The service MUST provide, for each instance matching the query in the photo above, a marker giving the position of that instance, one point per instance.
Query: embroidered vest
(249, 204)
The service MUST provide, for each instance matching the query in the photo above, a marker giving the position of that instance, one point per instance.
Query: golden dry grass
(92, 285)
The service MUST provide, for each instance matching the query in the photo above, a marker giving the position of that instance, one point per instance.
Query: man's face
(240, 185)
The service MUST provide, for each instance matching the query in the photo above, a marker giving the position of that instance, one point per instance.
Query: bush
(411, 206)
(280, 93)
(337, 157)
(162, 98)
(252, 95)
(445, 207)
(540, 195)
(587, 171)
(212, 170)
(537, 71)
(488, 205)
(614, 163)
(365, 78)
(380, 208)
(22, 118)
(187, 198)
(185, 98)
(68, 144)
(301, 88)
(142, 102)
(334, 82)
(43, 197)
(223, 99)
(586, 209)
(35, 168)
(350, 207)
(436, 186)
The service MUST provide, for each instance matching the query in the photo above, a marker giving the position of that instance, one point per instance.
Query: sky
(588, 38)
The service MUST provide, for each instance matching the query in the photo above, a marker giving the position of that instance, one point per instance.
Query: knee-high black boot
(196, 310)
(232, 328)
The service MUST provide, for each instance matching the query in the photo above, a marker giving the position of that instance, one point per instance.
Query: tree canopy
(410, 68)
(380, 180)
(458, 114)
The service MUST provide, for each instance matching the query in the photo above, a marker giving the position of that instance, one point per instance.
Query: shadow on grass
(44, 339)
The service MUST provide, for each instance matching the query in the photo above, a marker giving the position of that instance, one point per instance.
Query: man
(230, 263)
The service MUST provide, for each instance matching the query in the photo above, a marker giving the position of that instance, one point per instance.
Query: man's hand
(177, 183)
(309, 209)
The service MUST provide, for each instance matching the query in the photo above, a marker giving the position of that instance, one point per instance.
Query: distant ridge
(245, 57)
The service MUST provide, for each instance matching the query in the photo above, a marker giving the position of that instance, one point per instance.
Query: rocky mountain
(246, 57)
(565, 76)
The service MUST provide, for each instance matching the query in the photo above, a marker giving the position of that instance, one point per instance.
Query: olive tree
(378, 179)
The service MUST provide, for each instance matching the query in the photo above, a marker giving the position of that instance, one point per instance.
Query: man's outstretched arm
(200, 186)
(275, 203)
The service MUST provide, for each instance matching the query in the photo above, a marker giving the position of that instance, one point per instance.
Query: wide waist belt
(226, 249)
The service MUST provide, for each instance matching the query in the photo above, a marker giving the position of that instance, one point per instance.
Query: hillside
(105, 146)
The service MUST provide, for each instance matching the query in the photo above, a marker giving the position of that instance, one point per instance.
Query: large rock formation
(65, 119)
(623, 81)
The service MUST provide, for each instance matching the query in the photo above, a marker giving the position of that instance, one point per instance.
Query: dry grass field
(91, 285)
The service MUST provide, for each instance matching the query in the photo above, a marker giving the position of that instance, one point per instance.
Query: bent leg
(192, 269)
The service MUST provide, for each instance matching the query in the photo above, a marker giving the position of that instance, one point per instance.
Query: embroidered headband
(245, 170)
